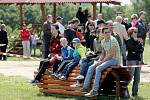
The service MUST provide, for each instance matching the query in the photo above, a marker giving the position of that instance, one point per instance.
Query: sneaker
(92, 93)
(57, 75)
(79, 77)
(84, 90)
(35, 82)
(50, 72)
(53, 74)
(63, 78)
(77, 84)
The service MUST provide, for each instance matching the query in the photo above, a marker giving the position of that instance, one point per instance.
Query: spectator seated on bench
(64, 59)
(55, 49)
(109, 57)
(90, 57)
(78, 55)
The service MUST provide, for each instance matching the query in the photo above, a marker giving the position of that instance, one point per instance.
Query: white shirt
(120, 30)
(61, 27)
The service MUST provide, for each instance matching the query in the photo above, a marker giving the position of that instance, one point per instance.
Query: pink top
(133, 23)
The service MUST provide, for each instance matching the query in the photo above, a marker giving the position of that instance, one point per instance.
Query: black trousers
(56, 65)
(46, 46)
(3, 49)
(59, 65)
(42, 68)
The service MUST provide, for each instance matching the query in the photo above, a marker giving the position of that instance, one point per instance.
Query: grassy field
(18, 88)
(147, 53)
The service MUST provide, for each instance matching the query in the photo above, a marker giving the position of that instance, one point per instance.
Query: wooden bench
(114, 81)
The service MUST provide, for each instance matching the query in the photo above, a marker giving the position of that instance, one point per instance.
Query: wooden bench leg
(117, 83)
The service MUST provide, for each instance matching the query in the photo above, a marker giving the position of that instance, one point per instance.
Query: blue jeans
(86, 63)
(135, 72)
(98, 71)
(124, 54)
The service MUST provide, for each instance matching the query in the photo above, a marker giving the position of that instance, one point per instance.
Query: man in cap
(59, 23)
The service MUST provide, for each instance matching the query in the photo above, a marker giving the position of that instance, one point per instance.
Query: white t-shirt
(107, 45)
(61, 27)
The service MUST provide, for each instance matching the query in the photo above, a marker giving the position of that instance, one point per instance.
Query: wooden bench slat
(59, 91)
(57, 86)
(57, 82)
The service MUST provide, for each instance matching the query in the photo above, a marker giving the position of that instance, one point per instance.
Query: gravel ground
(27, 68)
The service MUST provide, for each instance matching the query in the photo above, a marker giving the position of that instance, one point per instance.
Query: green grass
(18, 88)
(147, 53)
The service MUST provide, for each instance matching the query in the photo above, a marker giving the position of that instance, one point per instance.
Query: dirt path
(18, 68)
(27, 68)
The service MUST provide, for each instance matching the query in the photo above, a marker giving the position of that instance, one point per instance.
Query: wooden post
(100, 10)
(42, 11)
(54, 12)
(21, 15)
(117, 78)
(94, 11)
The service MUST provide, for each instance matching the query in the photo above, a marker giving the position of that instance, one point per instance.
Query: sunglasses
(135, 31)
(91, 25)
(106, 32)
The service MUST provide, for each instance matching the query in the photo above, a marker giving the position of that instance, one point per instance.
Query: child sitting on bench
(65, 58)
(78, 55)
(55, 49)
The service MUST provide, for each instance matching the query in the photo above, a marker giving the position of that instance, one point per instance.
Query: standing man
(120, 29)
(3, 41)
(99, 20)
(80, 15)
(141, 26)
(47, 36)
(60, 25)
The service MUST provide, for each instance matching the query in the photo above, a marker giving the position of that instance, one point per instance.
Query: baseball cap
(59, 18)
(76, 40)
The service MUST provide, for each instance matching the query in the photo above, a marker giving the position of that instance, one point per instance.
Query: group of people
(95, 48)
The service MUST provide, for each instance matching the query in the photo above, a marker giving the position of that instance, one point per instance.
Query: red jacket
(55, 47)
(79, 35)
(25, 34)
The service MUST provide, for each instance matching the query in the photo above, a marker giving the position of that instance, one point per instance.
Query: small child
(78, 55)
(33, 42)
(64, 59)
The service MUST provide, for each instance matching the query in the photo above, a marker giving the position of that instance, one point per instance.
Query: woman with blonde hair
(135, 50)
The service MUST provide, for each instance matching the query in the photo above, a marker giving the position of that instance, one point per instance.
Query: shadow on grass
(138, 98)
(60, 96)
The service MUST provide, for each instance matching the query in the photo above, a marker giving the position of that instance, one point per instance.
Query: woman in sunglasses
(135, 50)
(89, 35)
